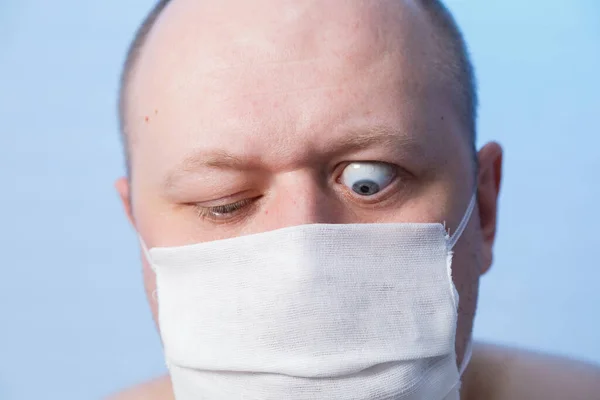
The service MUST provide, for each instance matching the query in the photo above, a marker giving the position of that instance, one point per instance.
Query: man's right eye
(225, 211)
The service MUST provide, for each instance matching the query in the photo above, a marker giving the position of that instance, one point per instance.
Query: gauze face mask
(344, 311)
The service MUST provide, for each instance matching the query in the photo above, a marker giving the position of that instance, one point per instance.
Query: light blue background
(73, 319)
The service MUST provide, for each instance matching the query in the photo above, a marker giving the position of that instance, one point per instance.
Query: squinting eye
(223, 211)
(367, 178)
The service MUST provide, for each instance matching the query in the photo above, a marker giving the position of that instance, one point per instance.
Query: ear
(124, 190)
(488, 189)
(122, 186)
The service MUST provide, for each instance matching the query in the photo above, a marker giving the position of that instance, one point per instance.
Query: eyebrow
(356, 139)
(359, 138)
(218, 159)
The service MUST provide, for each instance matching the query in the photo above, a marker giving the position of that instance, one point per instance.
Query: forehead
(280, 79)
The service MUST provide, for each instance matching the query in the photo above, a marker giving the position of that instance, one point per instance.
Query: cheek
(465, 270)
(465, 275)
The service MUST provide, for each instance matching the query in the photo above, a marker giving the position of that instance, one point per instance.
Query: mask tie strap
(466, 358)
(146, 252)
(463, 224)
(147, 255)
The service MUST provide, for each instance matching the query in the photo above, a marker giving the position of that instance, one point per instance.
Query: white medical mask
(346, 311)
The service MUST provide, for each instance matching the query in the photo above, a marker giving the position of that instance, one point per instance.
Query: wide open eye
(367, 178)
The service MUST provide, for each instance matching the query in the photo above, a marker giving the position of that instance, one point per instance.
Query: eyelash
(226, 210)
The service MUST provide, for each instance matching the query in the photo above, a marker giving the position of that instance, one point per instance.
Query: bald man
(268, 140)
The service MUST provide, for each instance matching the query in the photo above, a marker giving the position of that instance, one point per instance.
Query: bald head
(451, 62)
(244, 117)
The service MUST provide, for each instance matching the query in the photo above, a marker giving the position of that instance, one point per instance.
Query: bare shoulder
(501, 373)
(157, 389)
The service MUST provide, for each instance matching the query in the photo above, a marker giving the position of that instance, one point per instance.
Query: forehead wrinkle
(353, 140)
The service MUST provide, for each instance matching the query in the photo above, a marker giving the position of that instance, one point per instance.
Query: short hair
(133, 54)
(457, 63)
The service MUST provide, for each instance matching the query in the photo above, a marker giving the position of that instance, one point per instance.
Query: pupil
(365, 187)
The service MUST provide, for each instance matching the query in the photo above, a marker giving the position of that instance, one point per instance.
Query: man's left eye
(368, 178)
